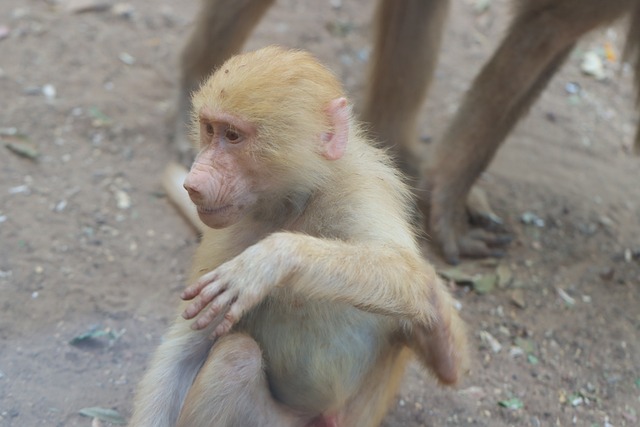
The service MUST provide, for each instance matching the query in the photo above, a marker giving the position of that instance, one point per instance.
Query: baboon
(309, 291)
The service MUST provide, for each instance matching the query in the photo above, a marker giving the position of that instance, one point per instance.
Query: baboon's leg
(231, 390)
(539, 39)
(404, 56)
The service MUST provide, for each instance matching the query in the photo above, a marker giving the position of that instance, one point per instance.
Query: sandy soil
(87, 238)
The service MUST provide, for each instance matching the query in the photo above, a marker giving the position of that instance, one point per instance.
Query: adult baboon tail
(172, 180)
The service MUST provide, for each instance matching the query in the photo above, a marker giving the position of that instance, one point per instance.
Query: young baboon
(309, 291)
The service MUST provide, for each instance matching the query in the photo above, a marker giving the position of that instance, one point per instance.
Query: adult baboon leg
(404, 57)
(221, 30)
(632, 54)
(449, 219)
(539, 39)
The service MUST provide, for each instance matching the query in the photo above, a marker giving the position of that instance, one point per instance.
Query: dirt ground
(87, 239)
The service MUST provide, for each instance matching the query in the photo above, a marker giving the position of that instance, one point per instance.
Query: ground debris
(505, 275)
(513, 403)
(517, 298)
(489, 340)
(9, 131)
(4, 32)
(485, 283)
(109, 415)
(481, 283)
(481, 6)
(123, 201)
(99, 119)
(95, 332)
(23, 149)
(340, 28)
(572, 88)
(48, 91)
(530, 218)
(528, 346)
(630, 415)
(475, 392)
(20, 189)
(127, 58)
(84, 6)
(607, 274)
(123, 10)
(457, 275)
(568, 300)
(592, 65)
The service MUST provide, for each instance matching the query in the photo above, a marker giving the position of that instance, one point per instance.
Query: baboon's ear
(334, 142)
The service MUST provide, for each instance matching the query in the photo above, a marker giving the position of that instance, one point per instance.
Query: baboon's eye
(232, 136)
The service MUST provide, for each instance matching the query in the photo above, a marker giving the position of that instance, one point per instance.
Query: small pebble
(49, 91)
(572, 88)
(127, 58)
(529, 218)
(4, 32)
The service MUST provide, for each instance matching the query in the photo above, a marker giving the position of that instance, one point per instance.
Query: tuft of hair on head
(284, 93)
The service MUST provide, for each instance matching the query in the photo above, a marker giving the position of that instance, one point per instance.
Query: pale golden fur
(333, 292)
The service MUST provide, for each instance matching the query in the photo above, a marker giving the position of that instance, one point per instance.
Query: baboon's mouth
(212, 211)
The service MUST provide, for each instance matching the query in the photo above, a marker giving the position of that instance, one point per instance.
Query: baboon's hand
(236, 286)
